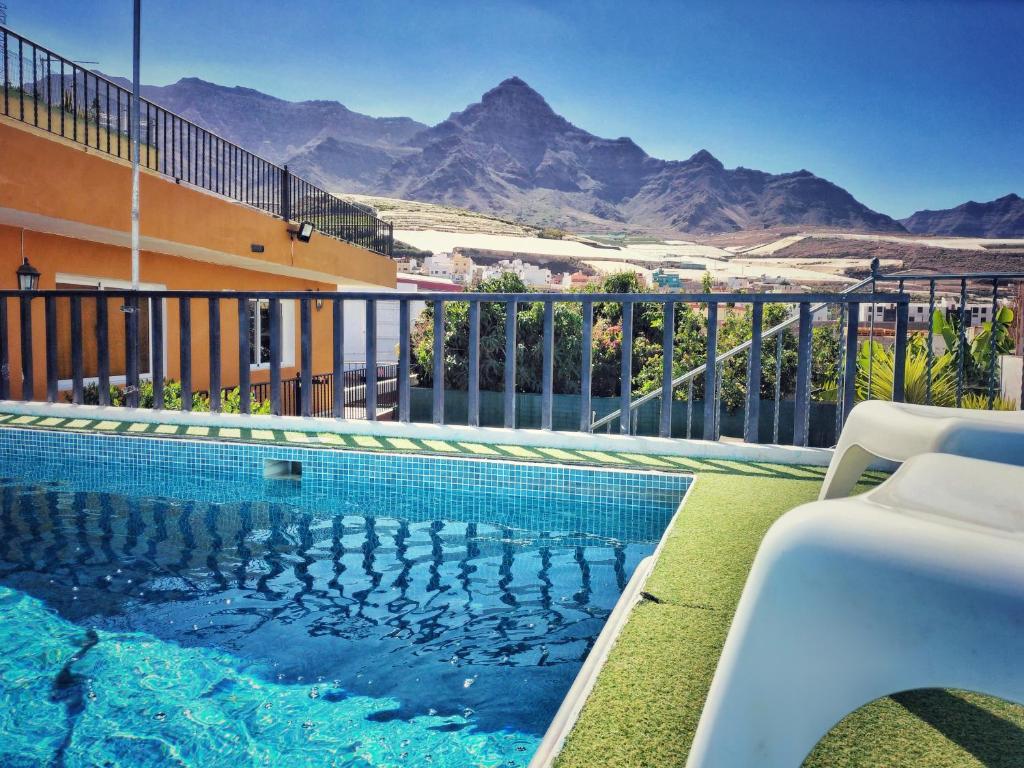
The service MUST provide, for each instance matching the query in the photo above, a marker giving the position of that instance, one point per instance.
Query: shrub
(172, 398)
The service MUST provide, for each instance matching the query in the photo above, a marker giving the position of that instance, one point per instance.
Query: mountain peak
(703, 157)
(515, 92)
(513, 82)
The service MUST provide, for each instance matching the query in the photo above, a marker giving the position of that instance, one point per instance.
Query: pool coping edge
(587, 441)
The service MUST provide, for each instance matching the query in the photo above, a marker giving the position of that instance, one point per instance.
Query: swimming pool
(162, 600)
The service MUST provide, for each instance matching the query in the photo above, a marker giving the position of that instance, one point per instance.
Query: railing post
(77, 383)
(50, 315)
(900, 350)
(711, 373)
(130, 307)
(185, 334)
(510, 364)
(371, 360)
(473, 415)
(930, 353)
(5, 339)
(157, 350)
(103, 351)
(752, 415)
(850, 374)
(244, 356)
(286, 194)
(992, 345)
(547, 366)
(667, 349)
(438, 415)
(779, 349)
(626, 369)
(306, 361)
(274, 310)
(214, 311)
(587, 367)
(338, 356)
(27, 375)
(404, 385)
(962, 344)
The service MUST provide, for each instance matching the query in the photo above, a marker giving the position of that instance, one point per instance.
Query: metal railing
(50, 92)
(147, 313)
(989, 285)
(850, 332)
(354, 383)
(687, 378)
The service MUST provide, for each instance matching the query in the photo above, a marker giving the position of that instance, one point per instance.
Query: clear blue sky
(907, 103)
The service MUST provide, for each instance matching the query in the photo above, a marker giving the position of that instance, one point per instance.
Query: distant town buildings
(439, 265)
(460, 269)
(882, 314)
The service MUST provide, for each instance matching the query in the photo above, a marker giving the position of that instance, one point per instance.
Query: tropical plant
(977, 359)
(876, 366)
(979, 401)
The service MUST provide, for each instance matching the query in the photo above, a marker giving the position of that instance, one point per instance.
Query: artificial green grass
(645, 706)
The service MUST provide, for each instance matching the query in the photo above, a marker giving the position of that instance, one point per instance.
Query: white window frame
(287, 336)
(103, 283)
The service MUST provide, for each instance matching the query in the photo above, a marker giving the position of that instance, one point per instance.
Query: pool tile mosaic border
(127, 462)
(338, 441)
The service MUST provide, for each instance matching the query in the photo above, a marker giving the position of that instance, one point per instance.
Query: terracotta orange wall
(51, 254)
(47, 175)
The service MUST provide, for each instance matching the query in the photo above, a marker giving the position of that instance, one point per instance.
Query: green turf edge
(647, 700)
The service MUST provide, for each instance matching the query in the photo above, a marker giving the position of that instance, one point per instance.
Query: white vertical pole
(136, 131)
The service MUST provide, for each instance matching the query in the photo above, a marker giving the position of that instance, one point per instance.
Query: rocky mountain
(278, 129)
(1003, 217)
(512, 155)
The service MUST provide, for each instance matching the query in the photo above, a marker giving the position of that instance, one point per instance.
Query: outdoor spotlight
(319, 300)
(28, 276)
(302, 231)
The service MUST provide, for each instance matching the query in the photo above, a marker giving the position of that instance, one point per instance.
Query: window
(115, 332)
(259, 333)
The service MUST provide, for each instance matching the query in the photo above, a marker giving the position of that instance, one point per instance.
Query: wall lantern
(318, 301)
(301, 232)
(28, 276)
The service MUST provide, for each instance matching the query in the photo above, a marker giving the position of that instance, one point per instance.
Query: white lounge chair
(918, 583)
(896, 431)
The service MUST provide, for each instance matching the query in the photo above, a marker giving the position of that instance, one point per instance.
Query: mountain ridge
(511, 154)
(999, 218)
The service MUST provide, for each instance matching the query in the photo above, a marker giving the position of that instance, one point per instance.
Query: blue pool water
(161, 603)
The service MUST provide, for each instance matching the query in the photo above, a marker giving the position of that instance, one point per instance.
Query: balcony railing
(324, 384)
(50, 92)
(134, 351)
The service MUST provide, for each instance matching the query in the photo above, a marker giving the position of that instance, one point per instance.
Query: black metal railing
(975, 367)
(136, 345)
(53, 93)
(354, 383)
(965, 369)
(463, 336)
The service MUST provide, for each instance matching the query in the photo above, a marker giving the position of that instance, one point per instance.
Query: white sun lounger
(918, 583)
(896, 431)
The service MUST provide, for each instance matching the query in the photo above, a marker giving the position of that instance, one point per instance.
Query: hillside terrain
(1003, 217)
(513, 156)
